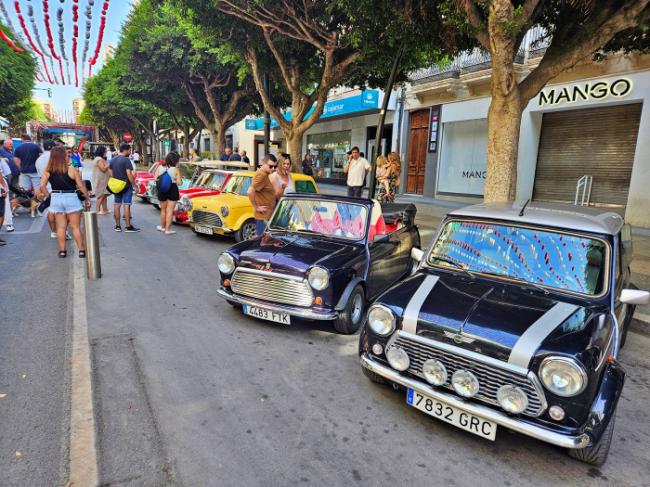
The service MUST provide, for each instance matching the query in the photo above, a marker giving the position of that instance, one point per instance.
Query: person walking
(392, 176)
(226, 155)
(281, 178)
(100, 180)
(7, 151)
(4, 194)
(120, 167)
(5, 172)
(169, 196)
(26, 155)
(194, 155)
(65, 181)
(41, 165)
(76, 158)
(235, 155)
(382, 169)
(356, 168)
(136, 158)
(245, 158)
(262, 193)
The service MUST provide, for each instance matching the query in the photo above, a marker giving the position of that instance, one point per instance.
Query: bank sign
(586, 91)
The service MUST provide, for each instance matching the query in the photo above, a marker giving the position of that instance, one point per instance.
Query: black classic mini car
(321, 258)
(514, 318)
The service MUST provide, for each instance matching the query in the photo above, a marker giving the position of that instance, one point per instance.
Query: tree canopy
(17, 71)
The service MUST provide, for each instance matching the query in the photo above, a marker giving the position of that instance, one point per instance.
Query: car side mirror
(380, 238)
(417, 254)
(635, 296)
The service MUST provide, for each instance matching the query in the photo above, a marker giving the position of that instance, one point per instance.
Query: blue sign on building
(366, 100)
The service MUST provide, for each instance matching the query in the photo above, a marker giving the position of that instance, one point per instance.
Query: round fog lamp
(434, 372)
(465, 383)
(225, 211)
(377, 349)
(556, 413)
(398, 359)
(512, 399)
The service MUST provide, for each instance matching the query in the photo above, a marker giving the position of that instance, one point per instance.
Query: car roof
(295, 175)
(568, 217)
(332, 197)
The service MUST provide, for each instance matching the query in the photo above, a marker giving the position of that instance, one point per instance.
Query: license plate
(459, 418)
(267, 314)
(200, 229)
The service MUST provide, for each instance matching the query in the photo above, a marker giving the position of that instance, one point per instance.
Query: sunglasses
(272, 166)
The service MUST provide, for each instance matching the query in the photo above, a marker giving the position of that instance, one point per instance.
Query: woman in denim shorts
(65, 181)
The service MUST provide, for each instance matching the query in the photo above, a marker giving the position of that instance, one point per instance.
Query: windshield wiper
(454, 263)
(311, 232)
(526, 284)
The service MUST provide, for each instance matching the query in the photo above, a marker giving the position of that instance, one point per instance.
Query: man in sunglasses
(262, 193)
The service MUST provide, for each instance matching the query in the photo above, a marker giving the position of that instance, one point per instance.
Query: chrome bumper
(502, 419)
(306, 313)
(218, 229)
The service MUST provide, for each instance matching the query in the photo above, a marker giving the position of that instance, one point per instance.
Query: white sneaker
(160, 228)
(9, 228)
(170, 232)
(52, 234)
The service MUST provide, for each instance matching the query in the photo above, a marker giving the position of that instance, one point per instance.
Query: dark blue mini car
(321, 258)
(514, 318)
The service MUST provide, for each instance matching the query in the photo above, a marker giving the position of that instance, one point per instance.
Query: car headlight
(381, 320)
(465, 383)
(563, 376)
(398, 358)
(226, 263)
(434, 372)
(318, 278)
(225, 211)
(184, 204)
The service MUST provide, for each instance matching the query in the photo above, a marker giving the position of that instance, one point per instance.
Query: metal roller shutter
(595, 141)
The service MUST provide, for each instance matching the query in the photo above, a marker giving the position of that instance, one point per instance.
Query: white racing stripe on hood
(530, 341)
(412, 310)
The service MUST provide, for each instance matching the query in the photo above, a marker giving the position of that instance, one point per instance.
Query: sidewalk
(431, 212)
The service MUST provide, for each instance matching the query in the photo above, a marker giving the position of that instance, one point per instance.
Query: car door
(386, 262)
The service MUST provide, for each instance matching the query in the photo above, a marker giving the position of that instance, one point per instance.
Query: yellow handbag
(115, 186)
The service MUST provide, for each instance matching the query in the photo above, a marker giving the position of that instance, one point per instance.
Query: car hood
(294, 254)
(215, 202)
(485, 315)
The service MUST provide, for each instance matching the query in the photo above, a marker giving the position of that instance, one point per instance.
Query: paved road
(34, 331)
(188, 391)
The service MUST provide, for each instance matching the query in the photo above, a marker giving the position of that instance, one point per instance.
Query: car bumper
(306, 313)
(565, 441)
(220, 230)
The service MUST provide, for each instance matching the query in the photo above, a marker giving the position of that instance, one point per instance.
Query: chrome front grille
(271, 286)
(490, 376)
(206, 218)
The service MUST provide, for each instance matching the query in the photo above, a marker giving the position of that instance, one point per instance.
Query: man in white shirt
(5, 172)
(357, 168)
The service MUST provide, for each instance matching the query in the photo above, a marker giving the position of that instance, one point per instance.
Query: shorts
(171, 195)
(125, 197)
(260, 227)
(30, 181)
(65, 203)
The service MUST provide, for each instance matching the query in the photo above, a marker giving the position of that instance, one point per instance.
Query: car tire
(246, 232)
(351, 316)
(596, 454)
(626, 326)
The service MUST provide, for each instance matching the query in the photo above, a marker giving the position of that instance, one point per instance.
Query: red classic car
(142, 178)
(209, 183)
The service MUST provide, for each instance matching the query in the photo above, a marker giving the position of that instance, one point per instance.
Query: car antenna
(521, 212)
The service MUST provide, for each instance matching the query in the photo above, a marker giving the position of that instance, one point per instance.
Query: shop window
(462, 167)
(329, 152)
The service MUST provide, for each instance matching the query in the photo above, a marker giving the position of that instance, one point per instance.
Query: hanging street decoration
(50, 38)
(89, 18)
(9, 42)
(102, 26)
(21, 19)
(59, 18)
(75, 18)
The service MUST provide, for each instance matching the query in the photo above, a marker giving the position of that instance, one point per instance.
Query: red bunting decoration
(9, 42)
(100, 37)
(21, 19)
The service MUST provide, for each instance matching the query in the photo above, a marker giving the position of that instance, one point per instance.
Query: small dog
(26, 199)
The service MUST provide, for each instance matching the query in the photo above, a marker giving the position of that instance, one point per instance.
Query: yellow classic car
(231, 211)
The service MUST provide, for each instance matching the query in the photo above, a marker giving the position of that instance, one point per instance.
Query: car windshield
(204, 179)
(152, 168)
(331, 218)
(537, 256)
(187, 170)
(238, 185)
(217, 180)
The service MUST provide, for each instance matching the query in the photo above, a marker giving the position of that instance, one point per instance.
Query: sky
(117, 13)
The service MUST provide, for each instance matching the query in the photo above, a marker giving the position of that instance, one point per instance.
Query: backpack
(164, 182)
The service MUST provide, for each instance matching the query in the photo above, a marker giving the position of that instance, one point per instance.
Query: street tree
(204, 74)
(576, 30)
(17, 70)
(312, 47)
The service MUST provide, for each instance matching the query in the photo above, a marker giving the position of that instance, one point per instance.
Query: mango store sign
(587, 91)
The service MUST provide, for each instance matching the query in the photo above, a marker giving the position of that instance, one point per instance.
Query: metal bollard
(93, 260)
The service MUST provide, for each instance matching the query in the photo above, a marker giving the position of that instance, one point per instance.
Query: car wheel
(626, 325)
(246, 232)
(351, 316)
(596, 454)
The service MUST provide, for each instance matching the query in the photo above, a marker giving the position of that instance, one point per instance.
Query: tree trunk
(219, 141)
(504, 120)
(294, 147)
(186, 141)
